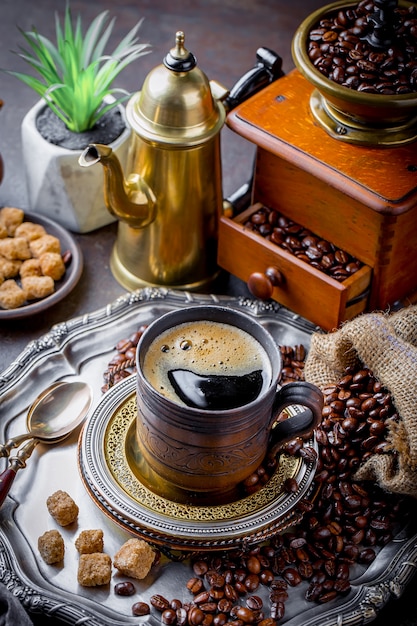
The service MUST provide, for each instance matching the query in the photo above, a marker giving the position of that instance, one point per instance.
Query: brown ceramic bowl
(348, 114)
(65, 285)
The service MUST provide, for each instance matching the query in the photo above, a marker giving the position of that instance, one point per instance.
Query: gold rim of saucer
(120, 438)
(118, 486)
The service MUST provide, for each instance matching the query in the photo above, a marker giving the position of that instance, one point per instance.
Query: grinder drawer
(273, 272)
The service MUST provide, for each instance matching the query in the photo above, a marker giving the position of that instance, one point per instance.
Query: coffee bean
(277, 611)
(290, 485)
(367, 555)
(254, 603)
(140, 609)
(342, 586)
(201, 597)
(169, 617)
(195, 585)
(251, 481)
(195, 616)
(224, 605)
(266, 577)
(245, 614)
(230, 593)
(181, 616)
(305, 569)
(216, 593)
(327, 596)
(278, 595)
(125, 589)
(159, 602)
(218, 580)
(314, 592)
(252, 582)
(292, 448)
(175, 604)
(292, 576)
(122, 364)
(200, 568)
(253, 565)
(208, 607)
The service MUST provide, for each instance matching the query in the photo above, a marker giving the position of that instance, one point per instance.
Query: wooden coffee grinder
(342, 163)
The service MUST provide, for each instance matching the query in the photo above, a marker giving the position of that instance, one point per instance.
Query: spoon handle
(16, 462)
(13, 442)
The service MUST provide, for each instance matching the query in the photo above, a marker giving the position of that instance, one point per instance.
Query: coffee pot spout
(131, 200)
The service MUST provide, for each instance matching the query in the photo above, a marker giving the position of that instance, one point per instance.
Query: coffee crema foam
(205, 348)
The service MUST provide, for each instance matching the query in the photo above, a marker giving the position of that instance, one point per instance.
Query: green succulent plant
(76, 74)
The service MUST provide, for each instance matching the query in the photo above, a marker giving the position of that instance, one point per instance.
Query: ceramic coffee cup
(208, 396)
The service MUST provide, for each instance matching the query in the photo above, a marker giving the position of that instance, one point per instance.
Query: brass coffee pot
(168, 206)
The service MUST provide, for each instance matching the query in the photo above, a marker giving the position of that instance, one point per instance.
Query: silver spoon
(54, 415)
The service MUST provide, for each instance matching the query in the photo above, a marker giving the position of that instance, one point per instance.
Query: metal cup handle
(300, 425)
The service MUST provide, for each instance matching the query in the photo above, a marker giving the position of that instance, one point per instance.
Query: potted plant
(78, 106)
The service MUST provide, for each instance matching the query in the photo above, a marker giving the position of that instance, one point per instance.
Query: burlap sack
(387, 345)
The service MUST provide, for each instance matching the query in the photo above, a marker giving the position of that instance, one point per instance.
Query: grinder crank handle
(267, 69)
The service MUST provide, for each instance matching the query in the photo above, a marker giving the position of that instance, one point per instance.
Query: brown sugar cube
(14, 248)
(62, 508)
(89, 541)
(11, 295)
(46, 243)
(36, 287)
(30, 267)
(52, 265)
(30, 231)
(9, 269)
(51, 547)
(94, 569)
(135, 558)
(11, 218)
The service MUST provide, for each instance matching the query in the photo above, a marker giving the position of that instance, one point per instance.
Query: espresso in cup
(207, 365)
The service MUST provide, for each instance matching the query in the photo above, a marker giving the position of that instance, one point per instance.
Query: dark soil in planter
(53, 130)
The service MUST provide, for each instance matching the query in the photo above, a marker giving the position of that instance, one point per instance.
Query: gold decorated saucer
(121, 484)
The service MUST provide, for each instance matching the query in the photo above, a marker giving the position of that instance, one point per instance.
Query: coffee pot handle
(301, 424)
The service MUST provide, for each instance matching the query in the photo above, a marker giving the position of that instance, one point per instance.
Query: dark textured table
(224, 35)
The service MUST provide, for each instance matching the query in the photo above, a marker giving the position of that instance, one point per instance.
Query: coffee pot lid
(176, 104)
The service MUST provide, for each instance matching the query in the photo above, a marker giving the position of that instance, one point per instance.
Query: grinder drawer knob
(261, 285)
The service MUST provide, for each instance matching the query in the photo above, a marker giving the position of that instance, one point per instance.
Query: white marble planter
(58, 187)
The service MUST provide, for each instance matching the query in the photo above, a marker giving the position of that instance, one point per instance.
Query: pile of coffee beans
(338, 49)
(344, 523)
(302, 243)
(293, 358)
(123, 363)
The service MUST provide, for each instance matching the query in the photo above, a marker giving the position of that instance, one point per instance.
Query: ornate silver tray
(81, 348)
